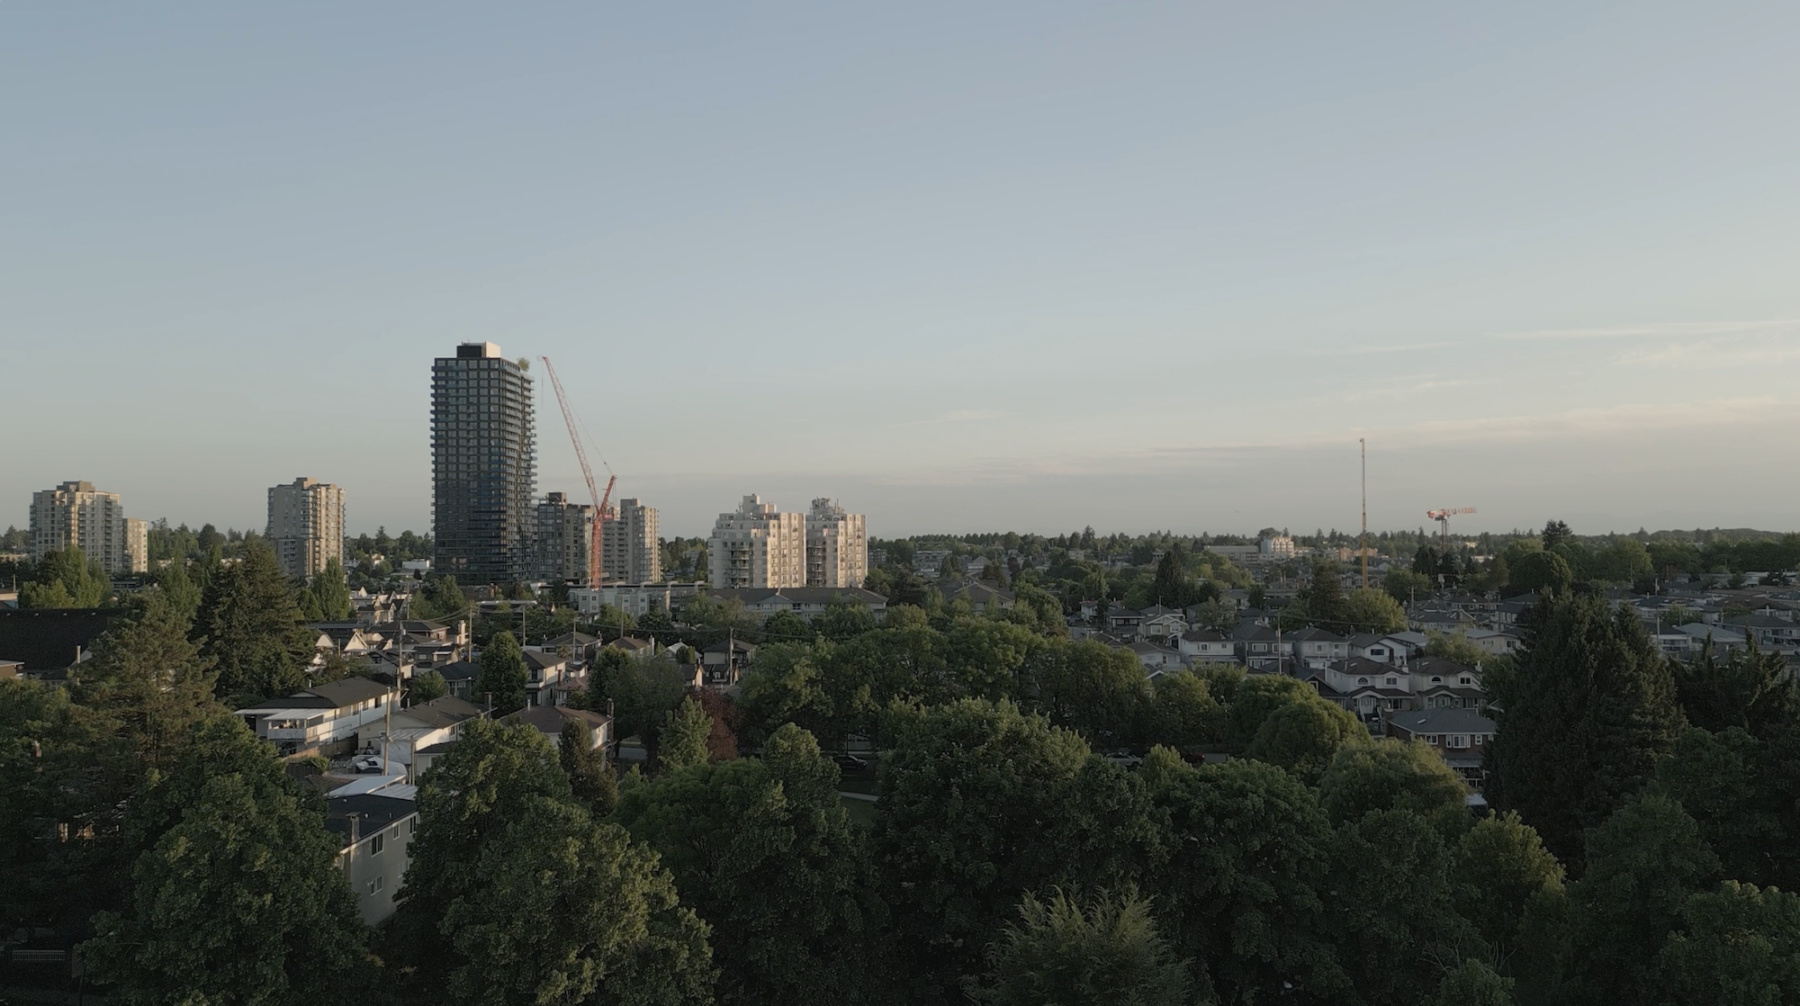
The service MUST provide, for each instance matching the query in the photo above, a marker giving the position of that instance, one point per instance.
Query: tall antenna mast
(1364, 548)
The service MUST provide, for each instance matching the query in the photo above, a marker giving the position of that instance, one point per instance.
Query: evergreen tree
(591, 780)
(1582, 719)
(428, 685)
(327, 595)
(1099, 953)
(182, 592)
(66, 579)
(503, 676)
(685, 735)
(251, 626)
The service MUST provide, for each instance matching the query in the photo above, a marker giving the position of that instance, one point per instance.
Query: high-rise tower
(484, 466)
(837, 546)
(306, 525)
(77, 517)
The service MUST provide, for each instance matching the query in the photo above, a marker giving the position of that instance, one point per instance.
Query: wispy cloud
(1373, 350)
(1414, 387)
(1720, 352)
(1667, 330)
(953, 416)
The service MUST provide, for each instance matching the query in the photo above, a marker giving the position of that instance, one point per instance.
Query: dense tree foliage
(251, 626)
(66, 579)
(503, 676)
(1583, 717)
(1099, 953)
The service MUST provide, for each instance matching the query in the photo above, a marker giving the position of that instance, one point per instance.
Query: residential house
(1259, 646)
(374, 832)
(461, 676)
(1459, 735)
(543, 669)
(1497, 642)
(324, 718)
(1156, 659)
(1313, 647)
(1123, 621)
(724, 662)
(549, 721)
(1368, 688)
(1380, 649)
(1159, 622)
(982, 597)
(1442, 683)
(1204, 646)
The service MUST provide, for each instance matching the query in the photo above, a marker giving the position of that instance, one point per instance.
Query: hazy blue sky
(964, 266)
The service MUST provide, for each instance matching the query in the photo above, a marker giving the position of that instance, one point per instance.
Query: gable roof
(346, 691)
(461, 670)
(1443, 721)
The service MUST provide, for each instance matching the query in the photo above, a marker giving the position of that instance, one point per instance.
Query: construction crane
(602, 501)
(1441, 516)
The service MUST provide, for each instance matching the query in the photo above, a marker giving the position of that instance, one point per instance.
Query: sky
(963, 267)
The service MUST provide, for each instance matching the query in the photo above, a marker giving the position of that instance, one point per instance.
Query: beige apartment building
(837, 546)
(306, 525)
(630, 550)
(564, 531)
(75, 515)
(757, 546)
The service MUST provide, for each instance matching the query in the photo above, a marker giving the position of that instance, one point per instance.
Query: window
(1392, 682)
(375, 845)
(1459, 740)
(375, 885)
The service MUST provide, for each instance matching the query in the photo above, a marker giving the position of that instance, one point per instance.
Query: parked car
(850, 763)
(366, 763)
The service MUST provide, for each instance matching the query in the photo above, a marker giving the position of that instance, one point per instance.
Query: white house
(322, 716)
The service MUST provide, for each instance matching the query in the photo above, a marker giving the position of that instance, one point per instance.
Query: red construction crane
(602, 502)
(1441, 516)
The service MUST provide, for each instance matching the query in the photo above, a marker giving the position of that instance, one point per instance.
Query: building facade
(565, 531)
(757, 546)
(837, 546)
(76, 516)
(484, 466)
(306, 525)
(631, 552)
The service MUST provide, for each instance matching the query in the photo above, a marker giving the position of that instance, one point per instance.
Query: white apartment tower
(757, 546)
(837, 546)
(306, 526)
(630, 551)
(75, 515)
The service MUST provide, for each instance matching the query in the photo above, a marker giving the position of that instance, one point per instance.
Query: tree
(1739, 945)
(66, 579)
(1581, 719)
(250, 624)
(844, 618)
(240, 898)
(1473, 984)
(1246, 899)
(1093, 689)
(1404, 585)
(1425, 562)
(427, 686)
(570, 911)
(1556, 533)
(1747, 689)
(1642, 865)
(1369, 610)
(976, 805)
(684, 736)
(1390, 898)
(763, 849)
(1536, 572)
(1392, 775)
(591, 780)
(327, 596)
(1097, 953)
(180, 590)
(1501, 867)
(1304, 736)
(503, 677)
(1183, 713)
(1172, 586)
(786, 626)
(1457, 648)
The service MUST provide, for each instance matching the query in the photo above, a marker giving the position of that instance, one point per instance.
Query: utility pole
(1364, 547)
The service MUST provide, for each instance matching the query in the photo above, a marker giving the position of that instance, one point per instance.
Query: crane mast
(1443, 519)
(602, 501)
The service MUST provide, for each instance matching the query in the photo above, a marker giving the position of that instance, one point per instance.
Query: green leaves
(237, 897)
(503, 676)
(1101, 952)
(251, 626)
